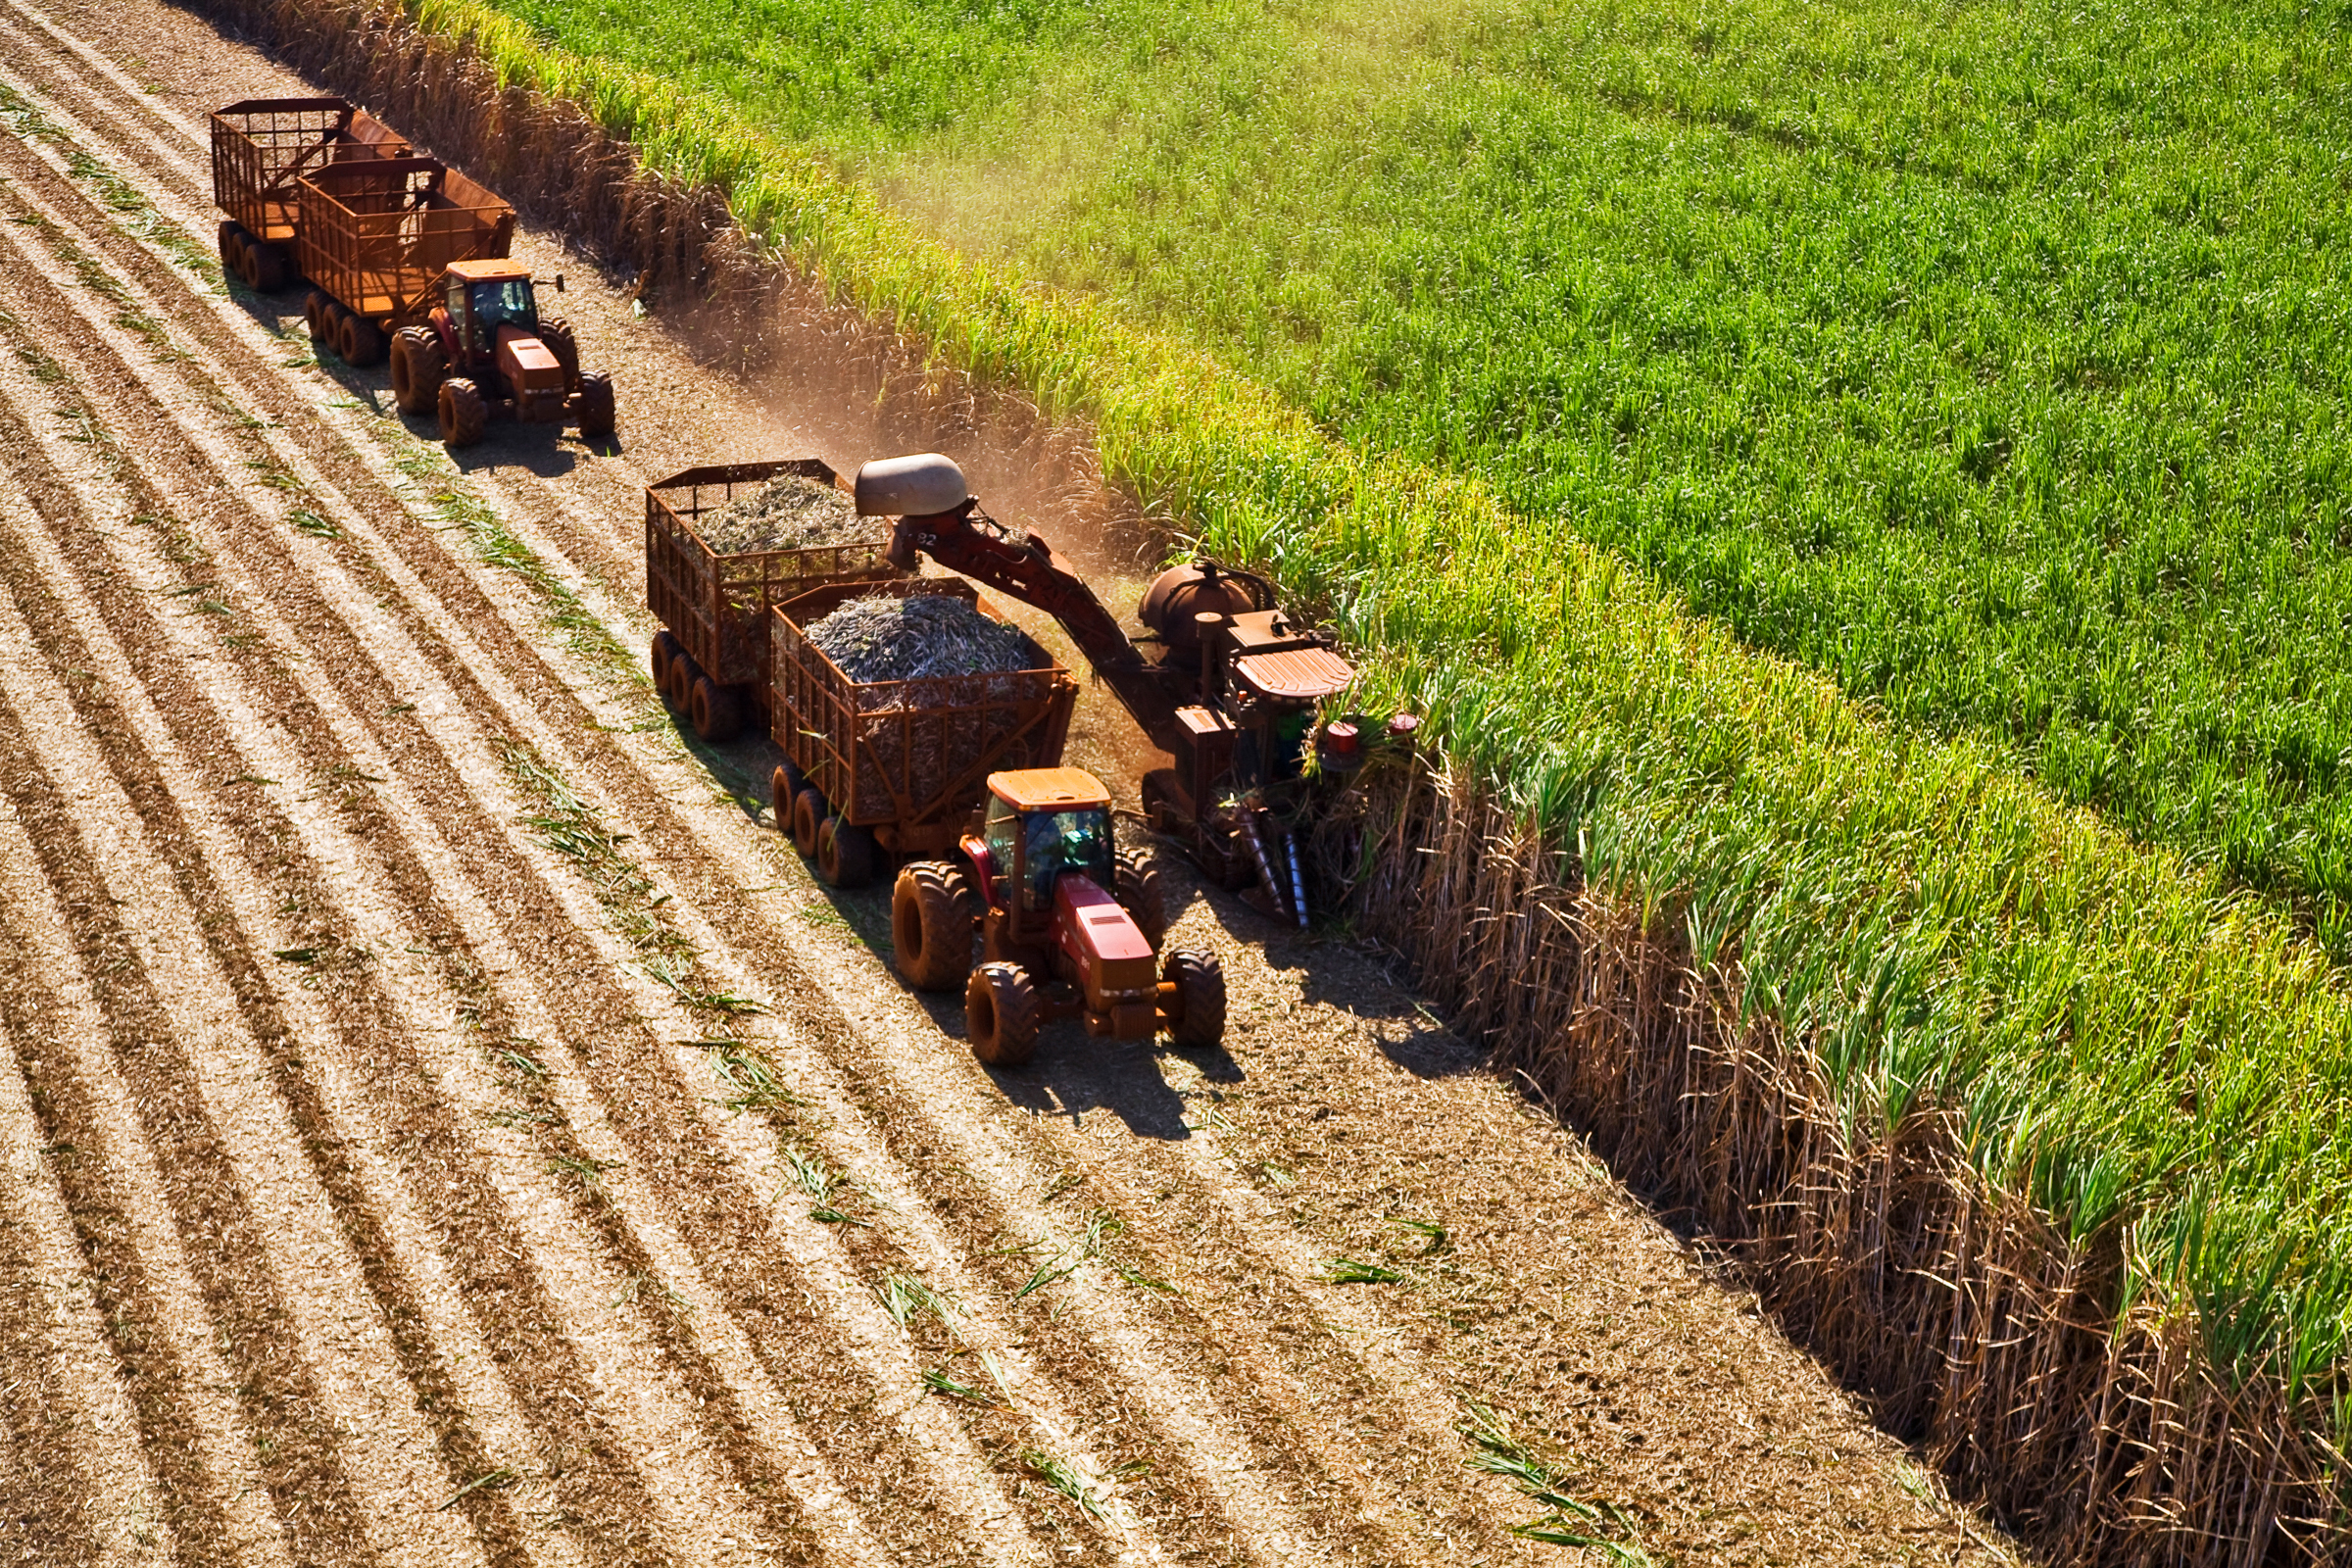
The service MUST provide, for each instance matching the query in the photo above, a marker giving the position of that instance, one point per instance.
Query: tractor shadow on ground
(1331, 969)
(548, 451)
(1073, 1074)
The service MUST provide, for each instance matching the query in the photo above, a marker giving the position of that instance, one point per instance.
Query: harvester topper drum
(1069, 926)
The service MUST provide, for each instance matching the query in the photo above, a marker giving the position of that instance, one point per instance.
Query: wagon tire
(462, 412)
(1196, 1010)
(419, 366)
(1001, 1015)
(357, 340)
(714, 710)
(1135, 883)
(666, 650)
(319, 314)
(845, 853)
(265, 267)
(931, 925)
(809, 813)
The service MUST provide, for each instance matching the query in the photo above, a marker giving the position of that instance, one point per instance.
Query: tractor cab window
(1063, 840)
(1000, 832)
(506, 303)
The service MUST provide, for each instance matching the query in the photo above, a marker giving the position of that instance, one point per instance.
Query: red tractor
(483, 350)
(1069, 926)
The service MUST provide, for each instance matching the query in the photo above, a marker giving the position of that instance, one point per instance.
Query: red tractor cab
(1069, 926)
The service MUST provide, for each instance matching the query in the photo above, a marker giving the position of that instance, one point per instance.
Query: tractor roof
(488, 271)
(1049, 788)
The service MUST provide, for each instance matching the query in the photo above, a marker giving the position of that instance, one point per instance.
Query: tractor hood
(531, 370)
(1102, 940)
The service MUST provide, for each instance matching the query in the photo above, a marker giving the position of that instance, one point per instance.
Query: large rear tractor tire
(1136, 885)
(556, 332)
(357, 340)
(931, 925)
(846, 853)
(420, 365)
(716, 711)
(1001, 1015)
(597, 418)
(1197, 1014)
(809, 813)
(463, 414)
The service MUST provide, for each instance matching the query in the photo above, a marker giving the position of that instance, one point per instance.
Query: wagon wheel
(666, 649)
(714, 710)
(359, 342)
(846, 853)
(809, 813)
(265, 267)
(1001, 1015)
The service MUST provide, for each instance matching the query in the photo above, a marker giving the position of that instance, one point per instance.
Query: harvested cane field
(1967, 975)
(441, 1123)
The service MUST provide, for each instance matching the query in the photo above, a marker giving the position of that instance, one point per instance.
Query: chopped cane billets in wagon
(791, 514)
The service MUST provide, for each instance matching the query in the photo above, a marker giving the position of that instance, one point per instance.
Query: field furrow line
(74, 1485)
(285, 1278)
(348, 596)
(1110, 1385)
(275, 898)
(177, 1379)
(628, 1519)
(96, 67)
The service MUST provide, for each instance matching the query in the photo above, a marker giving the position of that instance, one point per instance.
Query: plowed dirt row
(444, 1124)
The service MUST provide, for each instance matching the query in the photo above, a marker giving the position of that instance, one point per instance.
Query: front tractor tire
(1196, 1010)
(931, 925)
(420, 365)
(462, 412)
(595, 406)
(1136, 885)
(1002, 1015)
(557, 335)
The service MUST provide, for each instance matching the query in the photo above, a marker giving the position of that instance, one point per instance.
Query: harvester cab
(485, 350)
(1069, 926)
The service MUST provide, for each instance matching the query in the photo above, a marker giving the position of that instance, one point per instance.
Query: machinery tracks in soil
(440, 1128)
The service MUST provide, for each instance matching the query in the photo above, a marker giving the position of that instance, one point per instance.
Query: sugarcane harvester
(1230, 688)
